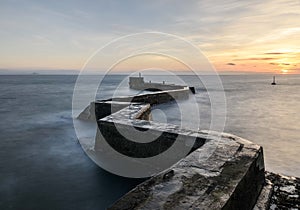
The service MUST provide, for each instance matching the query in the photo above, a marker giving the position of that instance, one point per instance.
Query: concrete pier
(231, 177)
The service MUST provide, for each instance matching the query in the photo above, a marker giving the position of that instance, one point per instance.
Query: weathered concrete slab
(99, 109)
(231, 178)
(132, 121)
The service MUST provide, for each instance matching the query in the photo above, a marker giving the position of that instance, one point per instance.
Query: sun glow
(284, 71)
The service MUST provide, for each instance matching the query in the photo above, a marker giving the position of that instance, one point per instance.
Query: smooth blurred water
(264, 114)
(42, 165)
(269, 116)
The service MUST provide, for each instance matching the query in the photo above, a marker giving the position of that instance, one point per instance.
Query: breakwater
(233, 177)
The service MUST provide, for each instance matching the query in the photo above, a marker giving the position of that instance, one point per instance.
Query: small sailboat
(273, 83)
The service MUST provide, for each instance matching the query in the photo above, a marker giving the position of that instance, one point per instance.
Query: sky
(235, 35)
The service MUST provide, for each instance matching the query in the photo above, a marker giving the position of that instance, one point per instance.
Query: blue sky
(235, 35)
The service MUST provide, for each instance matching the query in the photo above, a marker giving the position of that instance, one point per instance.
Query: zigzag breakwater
(232, 177)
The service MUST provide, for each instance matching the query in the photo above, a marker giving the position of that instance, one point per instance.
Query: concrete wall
(158, 97)
(99, 109)
(231, 177)
(138, 83)
(130, 120)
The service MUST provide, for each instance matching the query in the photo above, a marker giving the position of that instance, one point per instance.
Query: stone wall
(231, 178)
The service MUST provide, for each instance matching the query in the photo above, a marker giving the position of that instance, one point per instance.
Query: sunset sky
(236, 36)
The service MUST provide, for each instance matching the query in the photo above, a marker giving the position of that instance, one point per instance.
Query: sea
(42, 164)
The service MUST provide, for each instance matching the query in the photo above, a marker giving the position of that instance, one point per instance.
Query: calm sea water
(42, 165)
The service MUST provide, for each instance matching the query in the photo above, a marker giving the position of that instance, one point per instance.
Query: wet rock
(286, 191)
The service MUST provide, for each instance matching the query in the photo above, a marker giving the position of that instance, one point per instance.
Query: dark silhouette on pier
(273, 83)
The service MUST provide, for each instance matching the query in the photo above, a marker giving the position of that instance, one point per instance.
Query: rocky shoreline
(285, 191)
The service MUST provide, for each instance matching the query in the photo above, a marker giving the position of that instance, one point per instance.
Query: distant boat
(273, 83)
